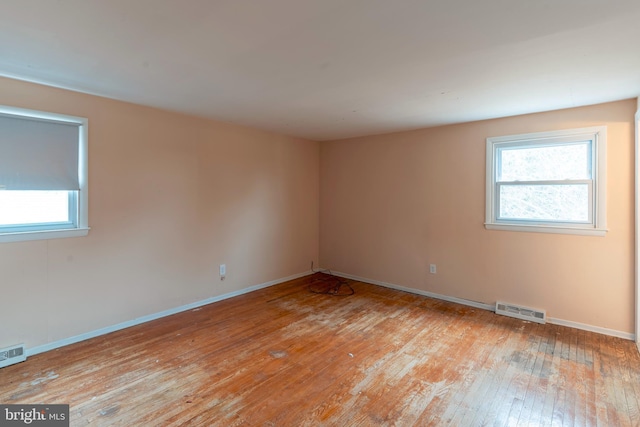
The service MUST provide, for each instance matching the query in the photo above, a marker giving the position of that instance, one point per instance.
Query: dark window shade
(38, 154)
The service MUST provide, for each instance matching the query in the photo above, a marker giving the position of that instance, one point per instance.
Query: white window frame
(80, 217)
(596, 226)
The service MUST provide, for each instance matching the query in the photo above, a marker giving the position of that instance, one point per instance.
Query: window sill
(43, 235)
(601, 232)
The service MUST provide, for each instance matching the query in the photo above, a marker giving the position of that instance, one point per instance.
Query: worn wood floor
(284, 356)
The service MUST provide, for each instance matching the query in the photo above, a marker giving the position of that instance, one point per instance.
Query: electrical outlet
(223, 271)
(432, 268)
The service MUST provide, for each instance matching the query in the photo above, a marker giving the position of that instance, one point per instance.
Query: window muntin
(548, 182)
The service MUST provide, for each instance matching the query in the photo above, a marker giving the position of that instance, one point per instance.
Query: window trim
(598, 137)
(81, 227)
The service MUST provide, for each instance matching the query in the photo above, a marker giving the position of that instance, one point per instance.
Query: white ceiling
(328, 69)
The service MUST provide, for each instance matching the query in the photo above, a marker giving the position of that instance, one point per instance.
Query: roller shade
(38, 154)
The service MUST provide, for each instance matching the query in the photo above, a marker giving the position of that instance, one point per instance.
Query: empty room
(319, 213)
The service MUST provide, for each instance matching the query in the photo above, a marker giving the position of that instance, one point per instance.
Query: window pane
(570, 161)
(568, 203)
(33, 207)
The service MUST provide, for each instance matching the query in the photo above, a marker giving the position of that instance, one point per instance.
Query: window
(43, 175)
(551, 182)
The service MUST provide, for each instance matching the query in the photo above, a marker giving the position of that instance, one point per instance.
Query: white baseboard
(98, 332)
(102, 331)
(591, 328)
(419, 292)
(491, 307)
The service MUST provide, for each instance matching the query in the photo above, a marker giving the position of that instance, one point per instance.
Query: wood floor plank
(462, 410)
(284, 356)
(570, 381)
(486, 370)
(535, 385)
(584, 407)
(558, 402)
(501, 375)
(617, 410)
(525, 360)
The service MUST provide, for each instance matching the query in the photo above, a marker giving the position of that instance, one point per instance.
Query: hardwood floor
(284, 356)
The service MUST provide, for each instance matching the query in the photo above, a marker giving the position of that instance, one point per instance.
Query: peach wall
(171, 198)
(392, 204)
